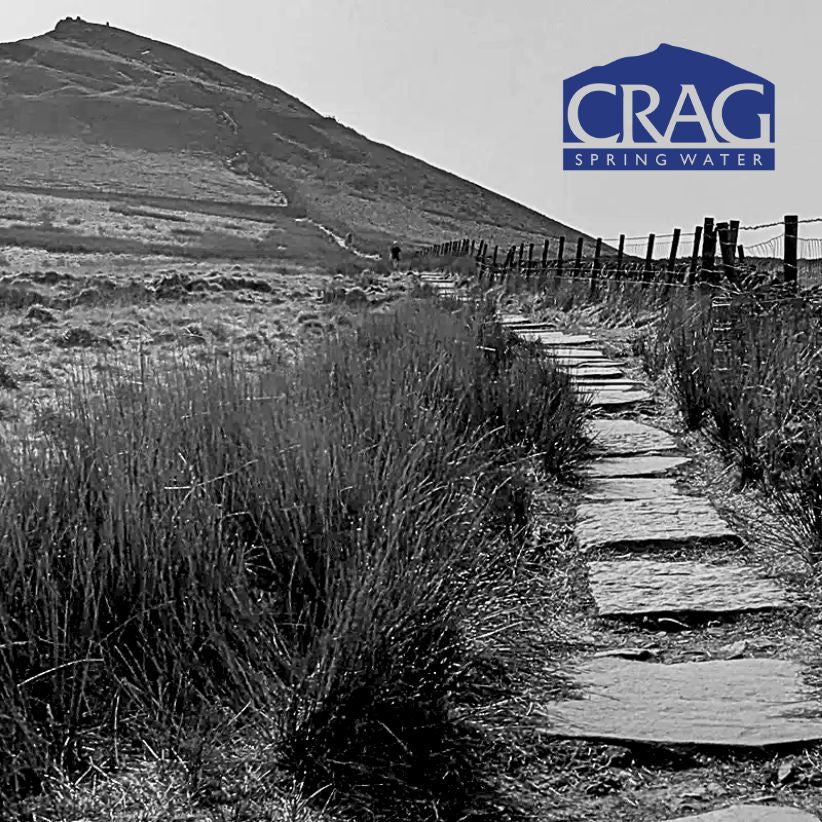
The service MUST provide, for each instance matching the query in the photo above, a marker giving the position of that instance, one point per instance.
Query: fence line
(712, 253)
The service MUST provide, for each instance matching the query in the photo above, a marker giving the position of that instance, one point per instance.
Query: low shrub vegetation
(295, 545)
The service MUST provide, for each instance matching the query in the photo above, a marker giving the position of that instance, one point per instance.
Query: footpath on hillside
(695, 650)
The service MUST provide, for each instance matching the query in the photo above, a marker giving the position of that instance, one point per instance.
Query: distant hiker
(395, 253)
(349, 239)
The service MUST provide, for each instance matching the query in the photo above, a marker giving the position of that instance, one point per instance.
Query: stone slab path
(517, 321)
(565, 352)
(623, 489)
(628, 437)
(751, 813)
(646, 465)
(597, 385)
(630, 503)
(573, 366)
(651, 524)
(612, 399)
(555, 338)
(746, 702)
(630, 588)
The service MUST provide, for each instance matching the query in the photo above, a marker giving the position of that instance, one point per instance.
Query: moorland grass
(294, 543)
(756, 391)
(750, 380)
(303, 243)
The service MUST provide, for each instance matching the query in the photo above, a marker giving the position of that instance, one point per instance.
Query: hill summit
(93, 108)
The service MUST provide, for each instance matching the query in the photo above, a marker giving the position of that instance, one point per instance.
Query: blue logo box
(672, 109)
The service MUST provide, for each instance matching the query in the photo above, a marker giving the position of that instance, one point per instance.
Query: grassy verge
(750, 376)
(294, 547)
(747, 374)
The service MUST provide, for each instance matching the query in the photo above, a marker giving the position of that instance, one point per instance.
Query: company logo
(670, 109)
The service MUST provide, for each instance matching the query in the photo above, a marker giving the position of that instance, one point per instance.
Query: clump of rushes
(303, 539)
(755, 391)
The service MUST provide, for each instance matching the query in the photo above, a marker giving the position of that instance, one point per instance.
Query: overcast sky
(475, 86)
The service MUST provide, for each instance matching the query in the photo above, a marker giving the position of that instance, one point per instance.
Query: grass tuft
(300, 544)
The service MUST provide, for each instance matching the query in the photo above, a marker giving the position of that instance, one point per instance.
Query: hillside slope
(108, 113)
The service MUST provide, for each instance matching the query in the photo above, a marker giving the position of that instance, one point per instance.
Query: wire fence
(714, 253)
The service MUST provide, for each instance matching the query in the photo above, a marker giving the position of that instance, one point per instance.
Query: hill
(97, 112)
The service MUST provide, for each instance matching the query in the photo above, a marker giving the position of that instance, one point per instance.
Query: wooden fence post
(734, 237)
(791, 242)
(727, 248)
(595, 267)
(560, 251)
(545, 255)
(649, 258)
(672, 259)
(674, 250)
(530, 261)
(620, 255)
(734, 226)
(694, 255)
(708, 250)
(578, 259)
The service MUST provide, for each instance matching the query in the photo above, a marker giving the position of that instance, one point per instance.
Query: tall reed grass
(303, 539)
(756, 391)
(750, 380)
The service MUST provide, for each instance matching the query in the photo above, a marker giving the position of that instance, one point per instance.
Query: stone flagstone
(595, 370)
(513, 319)
(555, 338)
(597, 384)
(568, 365)
(670, 522)
(579, 362)
(629, 488)
(576, 354)
(751, 813)
(624, 437)
(636, 587)
(521, 327)
(613, 399)
(745, 702)
(640, 466)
